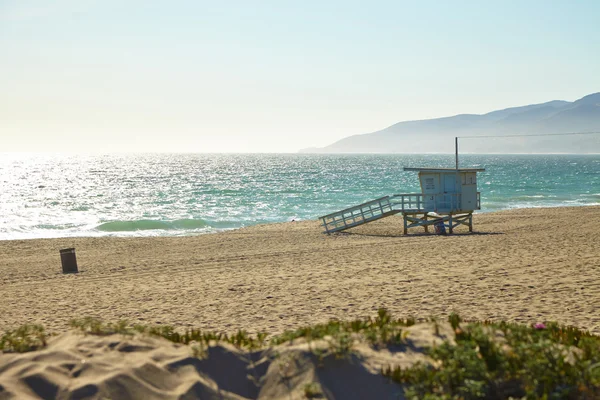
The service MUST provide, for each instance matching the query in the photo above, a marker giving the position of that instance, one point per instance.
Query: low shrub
(23, 339)
(506, 360)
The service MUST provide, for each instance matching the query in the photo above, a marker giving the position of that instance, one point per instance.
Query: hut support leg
(450, 224)
(426, 226)
(405, 225)
(470, 222)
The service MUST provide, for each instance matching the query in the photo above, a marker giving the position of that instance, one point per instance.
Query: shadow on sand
(416, 235)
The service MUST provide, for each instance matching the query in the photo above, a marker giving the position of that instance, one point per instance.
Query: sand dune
(74, 366)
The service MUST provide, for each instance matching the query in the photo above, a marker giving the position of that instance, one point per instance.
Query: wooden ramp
(358, 215)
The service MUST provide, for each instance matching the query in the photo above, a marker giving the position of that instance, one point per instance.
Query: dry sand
(524, 265)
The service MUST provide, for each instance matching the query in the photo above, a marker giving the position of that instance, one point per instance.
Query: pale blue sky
(275, 76)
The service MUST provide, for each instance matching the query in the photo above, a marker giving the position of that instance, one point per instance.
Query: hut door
(431, 187)
(449, 192)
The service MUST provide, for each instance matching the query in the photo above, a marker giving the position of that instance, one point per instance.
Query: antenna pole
(456, 150)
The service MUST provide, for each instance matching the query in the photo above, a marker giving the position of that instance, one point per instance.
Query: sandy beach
(524, 265)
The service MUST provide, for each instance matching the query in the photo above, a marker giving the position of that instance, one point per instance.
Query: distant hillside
(436, 135)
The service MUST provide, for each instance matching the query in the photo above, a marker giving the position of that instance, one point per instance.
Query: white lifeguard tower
(448, 196)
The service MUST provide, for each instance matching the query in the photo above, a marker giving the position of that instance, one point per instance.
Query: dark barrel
(69, 262)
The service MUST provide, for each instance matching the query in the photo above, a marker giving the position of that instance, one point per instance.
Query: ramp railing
(358, 215)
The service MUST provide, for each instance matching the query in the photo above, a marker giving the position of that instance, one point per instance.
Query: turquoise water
(182, 194)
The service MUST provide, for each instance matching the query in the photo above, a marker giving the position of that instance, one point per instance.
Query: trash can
(69, 261)
(439, 227)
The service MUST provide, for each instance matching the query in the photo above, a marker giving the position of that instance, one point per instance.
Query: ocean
(49, 196)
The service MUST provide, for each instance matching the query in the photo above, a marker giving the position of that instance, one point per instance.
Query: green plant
(382, 330)
(199, 351)
(436, 325)
(313, 390)
(96, 327)
(341, 344)
(489, 360)
(454, 320)
(542, 361)
(23, 339)
(240, 339)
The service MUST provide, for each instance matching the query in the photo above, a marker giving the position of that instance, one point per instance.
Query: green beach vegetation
(483, 359)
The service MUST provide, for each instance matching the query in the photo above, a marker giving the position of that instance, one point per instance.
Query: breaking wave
(148, 224)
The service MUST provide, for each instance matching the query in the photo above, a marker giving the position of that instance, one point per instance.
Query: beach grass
(23, 339)
(484, 359)
(507, 360)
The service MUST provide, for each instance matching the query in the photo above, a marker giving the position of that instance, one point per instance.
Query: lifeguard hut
(448, 197)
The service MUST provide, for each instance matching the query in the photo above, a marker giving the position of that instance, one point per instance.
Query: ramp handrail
(358, 215)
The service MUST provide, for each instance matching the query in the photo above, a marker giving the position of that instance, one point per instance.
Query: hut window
(429, 185)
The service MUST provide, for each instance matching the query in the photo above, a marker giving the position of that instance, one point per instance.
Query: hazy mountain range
(437, 135)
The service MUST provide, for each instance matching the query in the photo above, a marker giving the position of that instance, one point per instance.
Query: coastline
(48, 197)
(524, 265)
(175, 233)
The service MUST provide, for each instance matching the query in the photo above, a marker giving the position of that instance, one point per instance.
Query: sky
(275, 75)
